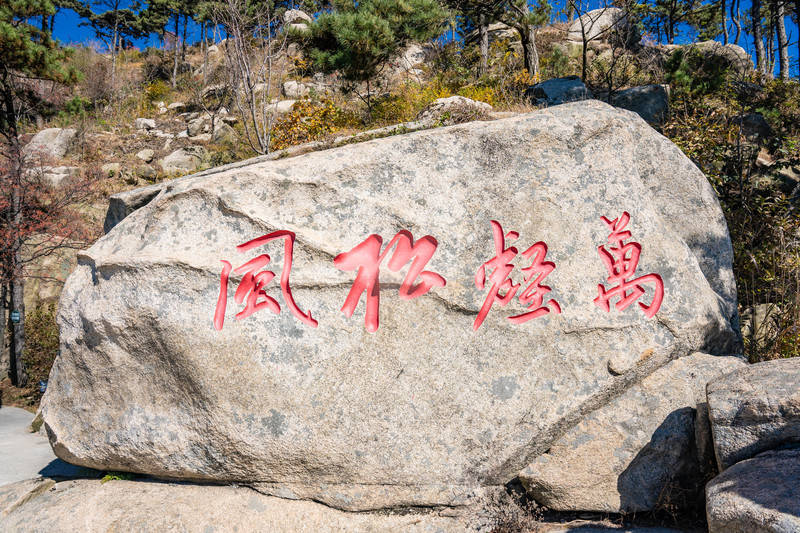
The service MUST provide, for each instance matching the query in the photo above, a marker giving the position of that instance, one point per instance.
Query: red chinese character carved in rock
(500, 268)
(251, 288)
(621, 260)
(367, 257)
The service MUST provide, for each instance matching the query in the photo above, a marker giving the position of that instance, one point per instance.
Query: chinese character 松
(367, 257)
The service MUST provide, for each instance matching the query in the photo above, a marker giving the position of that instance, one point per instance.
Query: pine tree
(357, 39)
(525, 18)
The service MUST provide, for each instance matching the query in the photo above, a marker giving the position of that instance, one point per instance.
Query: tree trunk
(177, 51)
(18, 375)
(724, 22)
(183, 39)
(5, 361)
(783, 41)
(735, 20)
(531, 56)
(797, 15)
(205, 51)
(761, 66)
(484, 33)
(17, 346)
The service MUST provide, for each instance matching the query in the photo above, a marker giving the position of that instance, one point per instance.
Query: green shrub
(41, 343)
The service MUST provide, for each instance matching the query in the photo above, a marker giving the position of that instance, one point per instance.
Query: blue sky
(68, 30)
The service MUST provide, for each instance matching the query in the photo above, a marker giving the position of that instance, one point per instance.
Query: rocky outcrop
(758, 495)
(92, 506)
(754, 409)
(454, 110)
(146, 155)
(639, 451)
(598, 24)
(51, 143)
(145, 124)
(558, 91)
(425, 410)
(184, 160)
(651, 102)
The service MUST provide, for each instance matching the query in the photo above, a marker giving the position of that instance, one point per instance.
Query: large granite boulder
(754, 409)
(410, 404)
(92, 506)
(758, 495)
(51, 143)
(641, 450)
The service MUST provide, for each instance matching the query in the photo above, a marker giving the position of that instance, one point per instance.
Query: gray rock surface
(754, 409)
(185, 159)
(758, 495)
(296, 16)
(223, 133)
(282, 107)
(558, 91)
(634, 452)
(651, 102)
(454, 109)
(295, 89)
(91, 506)
(733, 55)
(598, 24)
(51, 142)
(145, 124)
(57, 176)
(146, 155)
(424, 409)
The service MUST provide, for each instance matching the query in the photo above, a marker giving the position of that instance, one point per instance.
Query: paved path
(25, 455)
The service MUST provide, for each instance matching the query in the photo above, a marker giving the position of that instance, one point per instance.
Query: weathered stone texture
(423, 410)
(758, 495)
(754, 409)
(636, 452)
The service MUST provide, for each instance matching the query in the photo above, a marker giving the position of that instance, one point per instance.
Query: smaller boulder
(761, 495)
(146, 172)
(454, 110)
(51, 142)
(146, 155)
(111, 169)
(558, 91)
(754, 127)
(145, 124)
(412, 57)
(295, 89)
(296, 16)
(184, 160)
(223, 133)
(651, 102)
(57, 176)
(177, 107)
(196, 127)
(282, 107)
(599, 25)
(733, 56)
(754, 409)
